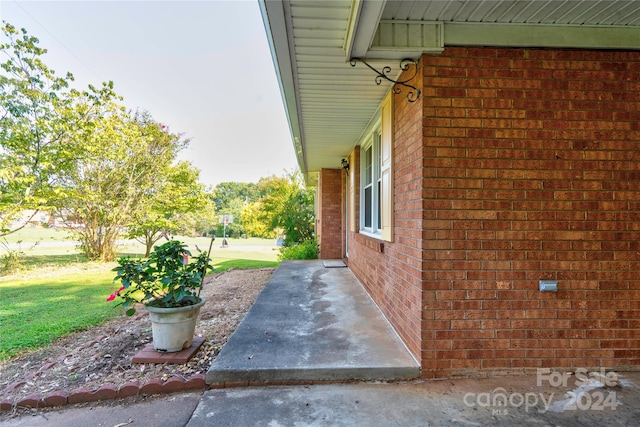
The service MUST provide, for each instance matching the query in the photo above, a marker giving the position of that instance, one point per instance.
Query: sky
(202, 68)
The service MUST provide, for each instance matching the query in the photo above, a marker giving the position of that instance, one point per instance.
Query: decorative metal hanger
(414, 92)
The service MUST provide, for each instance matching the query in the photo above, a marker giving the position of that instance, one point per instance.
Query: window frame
(379, 136)
(372, 142)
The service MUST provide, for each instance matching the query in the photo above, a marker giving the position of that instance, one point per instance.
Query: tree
(229, 199)
(297, 216)
(289, 205)
(121, 159)
(227, 193)
(79, 154)
(32, 127)
(171, 207)
(251, 217)
(205, 219)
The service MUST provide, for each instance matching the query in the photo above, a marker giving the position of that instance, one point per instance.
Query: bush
(11, 262)
(308, 249)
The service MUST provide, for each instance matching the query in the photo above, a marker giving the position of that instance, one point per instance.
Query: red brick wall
(531, 171)
(393, 272)
(515, 165)
(330, 215)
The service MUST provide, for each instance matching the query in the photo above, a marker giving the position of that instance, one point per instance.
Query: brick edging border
(107, 392)
(155, 386)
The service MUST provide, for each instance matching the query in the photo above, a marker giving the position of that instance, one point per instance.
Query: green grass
(38, 261)
(34, 312)
(57, 291)
(35, 234)
(244, 263)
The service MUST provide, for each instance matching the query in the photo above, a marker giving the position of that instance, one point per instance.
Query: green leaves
(164, 278)
(79, 154)
(288, 205)
(30, 101)
(171, 206)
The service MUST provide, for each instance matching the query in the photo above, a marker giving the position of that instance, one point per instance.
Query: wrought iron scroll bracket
(405, 64)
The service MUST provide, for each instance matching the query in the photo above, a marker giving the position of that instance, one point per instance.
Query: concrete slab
(499, 401)
(158, 411)
(313, 323)
(333, 263)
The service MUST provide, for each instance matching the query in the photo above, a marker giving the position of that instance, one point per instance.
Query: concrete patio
(312, 322)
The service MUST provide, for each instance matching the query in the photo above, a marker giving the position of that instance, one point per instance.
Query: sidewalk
(312, 321)
(509, 401)
(503, 401)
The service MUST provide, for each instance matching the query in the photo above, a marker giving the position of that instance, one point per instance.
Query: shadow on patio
(312, 322)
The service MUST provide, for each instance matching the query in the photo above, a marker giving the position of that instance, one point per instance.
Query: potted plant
(169, 286)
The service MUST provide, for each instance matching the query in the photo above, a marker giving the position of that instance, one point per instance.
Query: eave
(329, 103)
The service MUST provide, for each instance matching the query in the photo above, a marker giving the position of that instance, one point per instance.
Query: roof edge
(277, 29)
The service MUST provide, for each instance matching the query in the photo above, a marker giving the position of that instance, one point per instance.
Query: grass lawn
(29, 236)
(34, 312)
(57, 291)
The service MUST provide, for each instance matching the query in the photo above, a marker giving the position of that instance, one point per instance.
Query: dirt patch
(102, 355)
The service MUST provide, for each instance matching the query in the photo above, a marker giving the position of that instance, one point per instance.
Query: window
(376, 189)
(371, 184)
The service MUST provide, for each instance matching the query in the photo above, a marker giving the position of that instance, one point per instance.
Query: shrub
(166, 279)
(308, 249)
(11, 261)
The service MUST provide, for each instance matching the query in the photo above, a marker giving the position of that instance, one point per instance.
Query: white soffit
(329, 103)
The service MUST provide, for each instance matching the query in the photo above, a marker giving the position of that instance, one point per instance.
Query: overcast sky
(202, 68)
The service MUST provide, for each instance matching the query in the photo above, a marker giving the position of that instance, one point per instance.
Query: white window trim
(371, 141)
(379, 135)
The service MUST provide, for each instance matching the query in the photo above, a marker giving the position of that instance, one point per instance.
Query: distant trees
(230, 198)
(287, 205)
(80, 154)
(274, 206)
(171, 207)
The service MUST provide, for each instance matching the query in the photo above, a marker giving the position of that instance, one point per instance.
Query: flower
(115, 294)
(166, 279)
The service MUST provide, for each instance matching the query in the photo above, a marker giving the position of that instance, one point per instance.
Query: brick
(47, 366)
(196, 382)
(149, 355)
(538, 179)
(6, 405)
(153, 386)
(174, 383)
(13, 386)
(129, 389)
(56, 398)
(105, 392)
(31, 401)
(80, 395)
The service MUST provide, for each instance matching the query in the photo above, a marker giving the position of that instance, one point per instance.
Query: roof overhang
(330, 103)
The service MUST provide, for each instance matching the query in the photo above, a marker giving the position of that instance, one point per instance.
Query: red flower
(115, 294)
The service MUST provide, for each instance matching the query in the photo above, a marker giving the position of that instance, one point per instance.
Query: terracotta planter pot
(173, 328)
